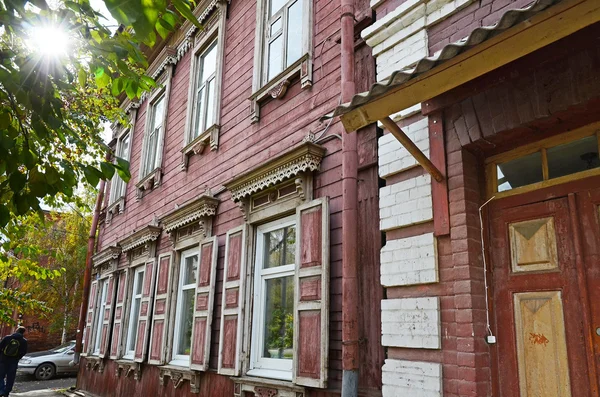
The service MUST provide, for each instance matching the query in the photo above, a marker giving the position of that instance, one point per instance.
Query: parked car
(46, 364)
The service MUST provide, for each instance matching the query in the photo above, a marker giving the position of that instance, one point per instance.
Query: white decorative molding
(210, 137)
(178, 376)
(125, 367)
(141, 237)
(202, 11)
(108, 254)
(203, 206)
(149, 182)
(117, 207)
(167, 56)
(305, 157)
(263, 387)
(93, 363)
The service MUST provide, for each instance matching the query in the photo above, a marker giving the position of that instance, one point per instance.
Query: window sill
(266, 387)
(271, 374)
(94, 363)
(277, 86)
(209, 137)
(149, 182)
(178, 375)
(129, 366)
(116, 207)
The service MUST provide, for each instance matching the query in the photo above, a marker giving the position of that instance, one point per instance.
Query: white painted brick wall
(411, 378)
(409, 261)
(405, 203)
(411, 322)
(393, 157)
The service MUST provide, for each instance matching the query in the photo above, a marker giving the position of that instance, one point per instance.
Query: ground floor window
(184, 312)
(134, 312)
(273, 317)
(102, 295)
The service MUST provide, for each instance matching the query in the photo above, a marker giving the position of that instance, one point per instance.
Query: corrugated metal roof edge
(508, 20)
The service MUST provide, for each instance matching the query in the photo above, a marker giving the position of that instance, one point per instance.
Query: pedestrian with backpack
(12, 348)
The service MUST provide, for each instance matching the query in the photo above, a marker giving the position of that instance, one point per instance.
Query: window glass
(294, 33)
(100, 315)
(185, 307)
(275, 6)
(520, 172)
(118, 185)
(153, 135)
(279, 318)
(573, 157)
(275, 57)
(134, 313)
(205, 90)
(275, 26)
(281, 247)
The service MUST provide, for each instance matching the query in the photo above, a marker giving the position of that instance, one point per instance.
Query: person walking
(12, 348)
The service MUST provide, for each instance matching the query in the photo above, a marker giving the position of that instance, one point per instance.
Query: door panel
(536, 302)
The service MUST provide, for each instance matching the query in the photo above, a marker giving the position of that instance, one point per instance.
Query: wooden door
(540, 330)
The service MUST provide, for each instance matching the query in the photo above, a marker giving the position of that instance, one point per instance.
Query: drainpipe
(349, 215)
(87, 275)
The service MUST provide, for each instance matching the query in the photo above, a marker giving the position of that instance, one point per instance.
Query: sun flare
(49, 40)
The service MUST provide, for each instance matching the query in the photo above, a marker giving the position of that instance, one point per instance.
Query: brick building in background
(478, 235)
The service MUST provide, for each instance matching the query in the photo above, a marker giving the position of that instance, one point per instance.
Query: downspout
(350, 336)
(87, 275)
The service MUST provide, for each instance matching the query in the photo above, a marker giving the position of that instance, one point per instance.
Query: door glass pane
(190, 269)
(279, 318)
(573, 157)
(520, 172)
(294, 37)
(275, 49)
(280, 247)
(185, 324)
(275, 6)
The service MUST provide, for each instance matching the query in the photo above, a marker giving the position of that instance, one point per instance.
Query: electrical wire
(487, 306)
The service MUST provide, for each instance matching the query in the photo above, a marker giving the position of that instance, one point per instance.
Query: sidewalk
(38, 393)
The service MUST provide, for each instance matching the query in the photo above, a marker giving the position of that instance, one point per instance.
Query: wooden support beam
(412, 148)
(553, 24)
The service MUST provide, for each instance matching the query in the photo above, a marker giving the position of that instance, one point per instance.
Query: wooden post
(412, 148)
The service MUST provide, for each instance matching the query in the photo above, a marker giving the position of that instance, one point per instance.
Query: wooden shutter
(107, 316)
(232, 309)
(116, 348)
(311, 294)
(89, 321)
(143, 328)
(203, 307)
(157, 355)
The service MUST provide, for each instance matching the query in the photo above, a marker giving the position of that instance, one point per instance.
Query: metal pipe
(87, 275)
(412, 148)
(350, 335)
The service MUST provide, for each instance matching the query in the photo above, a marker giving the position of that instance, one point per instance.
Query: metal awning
(518, 33)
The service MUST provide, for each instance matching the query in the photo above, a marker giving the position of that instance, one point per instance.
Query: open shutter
(203, 308)
(232, 308)
(161, 312)
(107, 316)
(143, 328)
(311, 295)
(116, 348)
(87, 332)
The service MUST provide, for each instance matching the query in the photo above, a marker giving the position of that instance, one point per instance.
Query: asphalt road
(26, 383)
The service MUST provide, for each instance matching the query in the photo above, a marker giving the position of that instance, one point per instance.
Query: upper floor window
(204, 100)
(283, 49)
(283, 36)
(152, 157)
(118, 186)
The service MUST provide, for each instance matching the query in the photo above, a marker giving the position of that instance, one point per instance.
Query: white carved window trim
(151, 178)
(139, 270)
(181, 360)
(214, 31)
(260, 366)
(276, 87)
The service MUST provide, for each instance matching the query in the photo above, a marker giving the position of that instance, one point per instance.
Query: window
(118, 186)
(185, 307)
(283, 36)
(283, 49)
(152, 156)
(544, 163)
(205, 91)
(273, 318)
(134, 312)
(103, 291)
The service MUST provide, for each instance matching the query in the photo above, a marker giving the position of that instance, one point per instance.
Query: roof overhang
(549, 25)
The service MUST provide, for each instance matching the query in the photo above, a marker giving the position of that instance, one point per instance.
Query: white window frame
(260, 366)
(182, 360)
(116, 181)
(264, 88)
(148, 168)
(130, 353)
(213, 31)
(100, 308)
